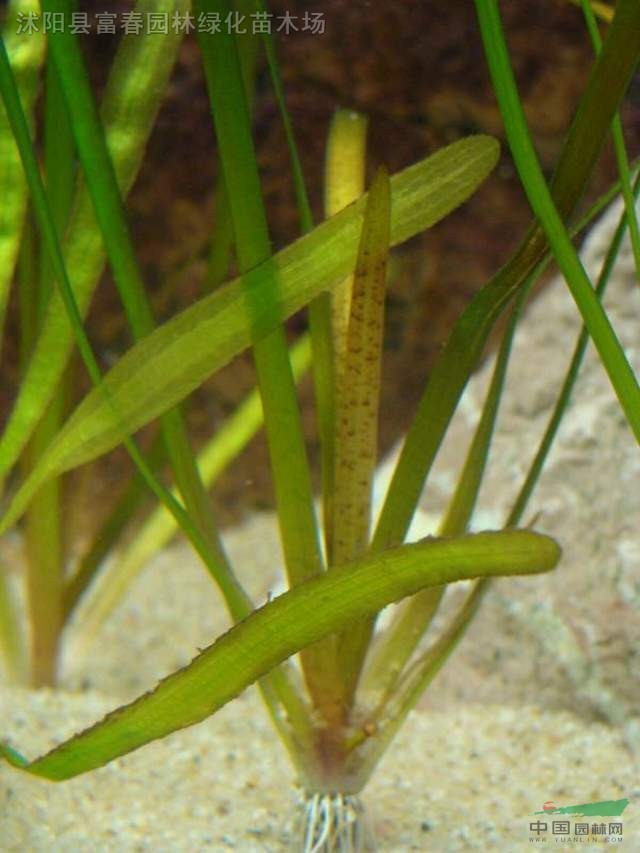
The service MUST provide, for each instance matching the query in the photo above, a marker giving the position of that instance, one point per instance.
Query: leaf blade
(282, 627)
(26, 54)
(179, 355)
(128, 109)
(357, 404)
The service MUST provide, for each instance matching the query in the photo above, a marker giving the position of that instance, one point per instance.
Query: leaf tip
(13, 756)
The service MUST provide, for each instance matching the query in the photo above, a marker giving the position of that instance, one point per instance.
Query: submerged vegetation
(339, 705)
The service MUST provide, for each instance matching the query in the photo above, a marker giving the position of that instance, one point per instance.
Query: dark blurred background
(416, 68)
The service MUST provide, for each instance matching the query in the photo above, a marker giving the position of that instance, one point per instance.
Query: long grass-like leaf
(602, 333)
(157, 530)
(345, 168)
(344, 181)
(26, 52)
(109, 209)
(277, 687)
(423, 671)
(233, 594)
(449, 375)
(358, 382)
(619, 147)
(12, 646)
(357, 408)
(319, 310)
(603, 10)
(163, 368)
(44, 535)
(282, 627)
(546, 442)
(389, 716)
(131, 100)
(289, 465)
(414, 617)
(282, 420)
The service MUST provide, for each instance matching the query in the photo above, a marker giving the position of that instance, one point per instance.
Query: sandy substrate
(540, 702)
(468, 779)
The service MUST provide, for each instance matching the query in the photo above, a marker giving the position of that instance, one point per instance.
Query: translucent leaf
(304, 615)
(176, 358)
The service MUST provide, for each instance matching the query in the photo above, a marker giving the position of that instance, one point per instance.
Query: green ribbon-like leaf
(306, 614)
(133, 94)
(171, 362)
(26, 53)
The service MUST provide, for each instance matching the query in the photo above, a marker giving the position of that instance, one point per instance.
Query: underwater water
(538, 705)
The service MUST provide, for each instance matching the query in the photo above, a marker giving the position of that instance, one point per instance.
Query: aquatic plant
(338, 710)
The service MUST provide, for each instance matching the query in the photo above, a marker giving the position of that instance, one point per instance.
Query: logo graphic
(587, 824)
(603, 808)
